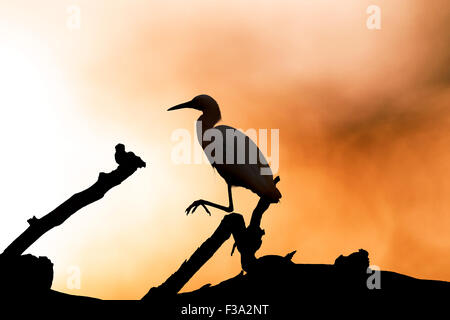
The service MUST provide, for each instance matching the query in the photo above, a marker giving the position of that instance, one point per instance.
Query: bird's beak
(184, 105)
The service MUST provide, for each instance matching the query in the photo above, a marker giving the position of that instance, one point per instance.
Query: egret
(241, 168)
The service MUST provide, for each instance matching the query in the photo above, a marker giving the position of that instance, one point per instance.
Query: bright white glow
(32, 97)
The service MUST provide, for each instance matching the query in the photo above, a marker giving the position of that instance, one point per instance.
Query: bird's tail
(274, 195)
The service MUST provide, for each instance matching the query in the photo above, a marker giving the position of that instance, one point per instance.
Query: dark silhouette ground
(273, 284)
(286, 288)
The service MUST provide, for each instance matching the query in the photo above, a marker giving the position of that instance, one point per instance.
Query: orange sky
(363, 118)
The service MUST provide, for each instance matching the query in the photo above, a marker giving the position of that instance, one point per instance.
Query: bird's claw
(195, 205)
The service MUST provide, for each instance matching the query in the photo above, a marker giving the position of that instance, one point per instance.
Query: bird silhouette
(239, 162)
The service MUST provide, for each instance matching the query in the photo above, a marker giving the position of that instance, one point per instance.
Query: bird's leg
(205, 204)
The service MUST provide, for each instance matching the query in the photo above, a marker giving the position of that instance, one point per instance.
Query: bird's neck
(206, 121)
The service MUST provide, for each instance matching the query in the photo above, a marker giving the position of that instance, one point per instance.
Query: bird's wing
(240, 148)
(243, 164)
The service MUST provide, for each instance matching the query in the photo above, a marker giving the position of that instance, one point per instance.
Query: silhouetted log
(128, 163)
(25, 276)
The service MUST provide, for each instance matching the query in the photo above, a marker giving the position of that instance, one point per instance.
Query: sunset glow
(363, 118)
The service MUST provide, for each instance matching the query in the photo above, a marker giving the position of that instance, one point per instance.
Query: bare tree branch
(248, 240)
(128, 163)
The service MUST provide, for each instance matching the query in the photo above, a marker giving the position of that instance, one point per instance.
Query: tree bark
(127, 162)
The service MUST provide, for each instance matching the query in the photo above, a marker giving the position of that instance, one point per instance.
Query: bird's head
(202, 103)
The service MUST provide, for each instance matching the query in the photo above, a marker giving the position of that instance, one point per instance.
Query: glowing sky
(363, 118)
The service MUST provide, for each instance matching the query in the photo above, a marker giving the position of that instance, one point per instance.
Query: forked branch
(247, 240)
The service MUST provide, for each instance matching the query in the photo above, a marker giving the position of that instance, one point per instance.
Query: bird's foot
(195, 205)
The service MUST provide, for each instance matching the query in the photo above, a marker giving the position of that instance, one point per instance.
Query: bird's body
(237, 159)
(248, 174)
